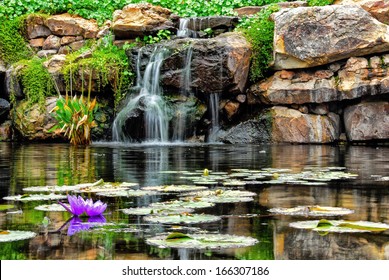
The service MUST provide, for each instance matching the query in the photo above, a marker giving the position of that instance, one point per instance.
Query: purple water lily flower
(78, 206)
(94, 209)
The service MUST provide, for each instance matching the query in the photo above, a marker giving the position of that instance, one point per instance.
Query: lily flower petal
(94, 209)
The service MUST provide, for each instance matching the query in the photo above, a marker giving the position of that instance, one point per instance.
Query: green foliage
(107, 63)
(75, 118)
(149, 39)
(259, 31)
(320, 2)
(102, 10)
(36, 80)
(13, 46)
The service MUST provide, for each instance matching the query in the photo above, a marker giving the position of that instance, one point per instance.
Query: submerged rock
(367, 121)
(311, 36)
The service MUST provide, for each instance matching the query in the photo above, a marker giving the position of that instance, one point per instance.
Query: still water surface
(58, 164)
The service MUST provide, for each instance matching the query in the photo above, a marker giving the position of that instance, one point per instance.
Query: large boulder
(311, 36)
(36, 27)
(72, 25)
(216, 65)
(34, 122)
(295, 87)
(139, 19)
(367, 121)
(377, 8)
(283, 125)
(357, 77)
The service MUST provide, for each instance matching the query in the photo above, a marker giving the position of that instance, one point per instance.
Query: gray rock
(217, 65)
(367, 121)
(4, 108)
(311, 36)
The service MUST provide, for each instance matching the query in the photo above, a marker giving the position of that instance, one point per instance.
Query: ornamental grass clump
(75, 118)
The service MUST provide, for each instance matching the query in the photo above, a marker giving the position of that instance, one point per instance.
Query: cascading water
(149, 97)
(181, 113)
(214, 108)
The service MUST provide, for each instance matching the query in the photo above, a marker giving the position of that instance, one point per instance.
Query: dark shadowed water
(58, 164)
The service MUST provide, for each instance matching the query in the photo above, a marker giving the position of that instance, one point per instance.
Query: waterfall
(185, 88)
(183, 29)
(214, 108)
(149, 98)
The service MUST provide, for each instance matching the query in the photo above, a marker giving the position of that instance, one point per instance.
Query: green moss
(259, 31)
(13, 46)
(36, 80)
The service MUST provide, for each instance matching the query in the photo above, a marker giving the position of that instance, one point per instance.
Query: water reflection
(32, 165)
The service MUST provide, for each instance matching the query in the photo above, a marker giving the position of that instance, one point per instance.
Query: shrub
(259, 31)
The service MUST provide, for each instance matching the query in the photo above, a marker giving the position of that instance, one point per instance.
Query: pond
(362, 187)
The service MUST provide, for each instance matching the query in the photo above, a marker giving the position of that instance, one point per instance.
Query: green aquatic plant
(75, 118)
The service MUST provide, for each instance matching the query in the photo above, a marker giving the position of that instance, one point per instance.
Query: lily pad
(6, 207)
(15, 235)
(174, 188)
(108, 187)
(314, 211)
(182, 219)
(35, 197)
(201, 241)
(55, 207)
(340, 226)
(127, 193)
(143, 211)
(185, 203)
(223, 196)
(64, 188)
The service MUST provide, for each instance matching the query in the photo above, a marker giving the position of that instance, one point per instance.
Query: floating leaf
(108, 187)
(16, 235)
(127, 193)
(174, 236)
(203, 241)
(6, 207)
(174, 188)
(312, 211)
(55, 207)
(223, 196)
(35, 197)
(182, 219)
(340, 226)
(187, 202)
(142, 211)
